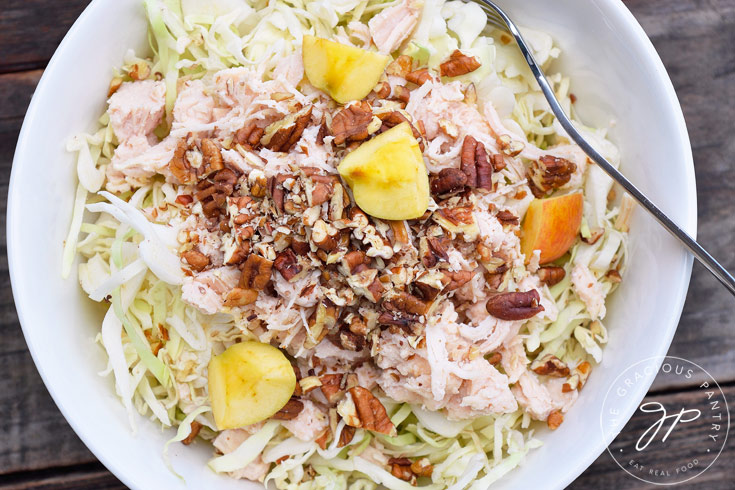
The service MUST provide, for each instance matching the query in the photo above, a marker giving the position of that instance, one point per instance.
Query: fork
(496, 17)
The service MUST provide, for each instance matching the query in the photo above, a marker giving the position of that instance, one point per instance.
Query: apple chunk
(345, 72)
(551, 226)
(387, 175)
(248, 383)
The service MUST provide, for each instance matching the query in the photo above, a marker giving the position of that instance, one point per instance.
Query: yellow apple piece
(387, 175)
(551, 226)
(345, 72)
(248, 383)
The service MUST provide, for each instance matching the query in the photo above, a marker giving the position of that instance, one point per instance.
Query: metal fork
(496, 17)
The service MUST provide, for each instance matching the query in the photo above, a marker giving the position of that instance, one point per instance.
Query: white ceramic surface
(615, 71)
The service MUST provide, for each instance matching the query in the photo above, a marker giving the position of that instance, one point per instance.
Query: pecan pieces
(192, 162)
(256, 273)
(515, 305)
(290, 410)
(550, 365)
(458, 64)
(362, 410)
(551, 275)
(475, 164)
(287, 264)
(549, 173)
(352, 123)
(282, 135)
(448, 181)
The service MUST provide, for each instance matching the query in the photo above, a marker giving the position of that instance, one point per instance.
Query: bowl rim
(625, 20)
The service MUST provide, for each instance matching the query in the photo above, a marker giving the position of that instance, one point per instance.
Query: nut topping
(290, 411)
(549, 173)
(448, 181)
(367, 412)
(407, 303)
(550, 275)
(287, 264)
(197, 260)
(255, 273)
(458, 64)
(475, 164)
(515, 305)
(419, 77)
(195, 428)
(282, 135)
(351, 123)
(555, 419)
(550, 365)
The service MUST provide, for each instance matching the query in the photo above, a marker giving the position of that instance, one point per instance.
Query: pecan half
(290, 411)
(515, 305)
(550, 365)
(287, 264)
(448, 181)
(351, 123)
(197, 260)
(458, 64)
(195, 428)
(549, 173)
(255, 273)
(475, 164)
(551, 275)
(282, 135)
(192, 162)
(371, 413)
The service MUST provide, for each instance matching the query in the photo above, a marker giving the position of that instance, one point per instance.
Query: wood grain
(695, 39)
(30, 31)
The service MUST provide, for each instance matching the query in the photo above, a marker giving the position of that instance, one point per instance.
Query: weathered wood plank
(30, 30)
(87, 477)
(606, 474)
(695, 40)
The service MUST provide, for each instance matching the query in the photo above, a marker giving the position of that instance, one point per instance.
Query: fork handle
(690, 243)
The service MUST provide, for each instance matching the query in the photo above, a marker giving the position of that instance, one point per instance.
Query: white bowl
(615, 71)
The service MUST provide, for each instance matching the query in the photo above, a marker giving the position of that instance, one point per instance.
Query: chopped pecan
(213, 193)
(240, 297)
(195, 428)
(507, 218)
(550, 365)
(484, 168)
(432, 250)
(249, 135)
(351, 341)
(351, 123)
(458, 64)
(255, 273)
(358, 326)
(448, 181)
(549, 173)
(402, 471)
(550, 275)
(324, 236)
(422, 467)
(494, 358)
(461, 215)
(212, 156)
(324, 438)
(192, 162)
(555, 419)
(320, 193)
(331, 387)
(371, 413)
(457, 279)
(321, 321)
(407, 303)
(258, 184)
(282, 135)
(509, 146)
(382, 90)
(197, 260)
(401, 93)
(515, 305)
(346, 436)
(300, 247)
(290, 411)
(400, 67)
(184, 199)
(614, 276)
(498, 162)
(419, 77)
(398, 320)
(276, 190)
(400, 461)
(354, 261)
(595, 234)
(287, 264)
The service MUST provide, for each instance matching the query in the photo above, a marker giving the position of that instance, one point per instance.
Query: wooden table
(695, 38)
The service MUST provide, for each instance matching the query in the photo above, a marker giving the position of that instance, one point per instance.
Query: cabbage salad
(344, 242)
